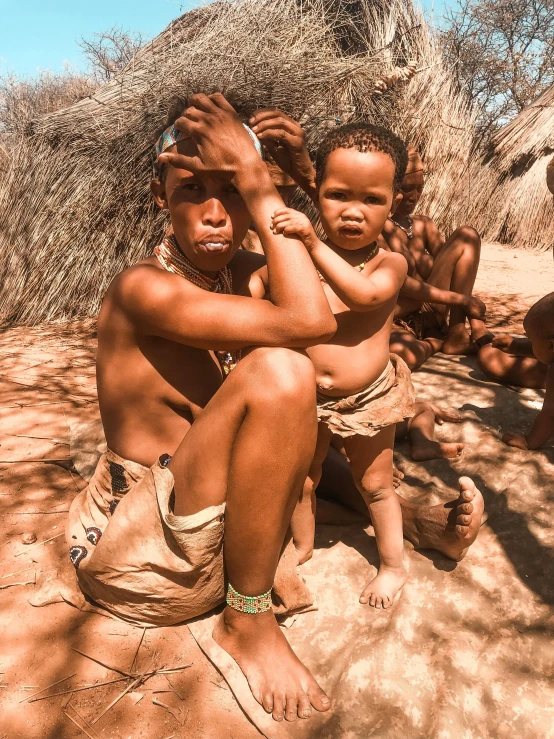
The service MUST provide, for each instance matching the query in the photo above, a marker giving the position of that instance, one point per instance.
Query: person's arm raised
(299, 314)
(357, 291)
(285, 140)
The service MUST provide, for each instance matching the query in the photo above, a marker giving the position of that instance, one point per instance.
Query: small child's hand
(515, 439)
(291, 222)
(503, 342)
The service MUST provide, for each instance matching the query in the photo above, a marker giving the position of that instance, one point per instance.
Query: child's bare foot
(277, 678)
(450, 528)
(423, 450)
(380, 591)
(458, 341)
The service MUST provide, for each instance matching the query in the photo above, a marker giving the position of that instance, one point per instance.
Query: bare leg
(449, 528)
(413, 351)
(371, 465)
(303, 519)
(421, 432)
(252, 446)
(512, 370)
(455, 268)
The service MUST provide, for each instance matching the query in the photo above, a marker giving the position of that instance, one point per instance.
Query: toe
(372, 600)
(278, 707)
(319, 700)
(267, 702)
(304, 706)
(465, 508)
(462, 530)
(463, 520)
(467, 488)
(291, 707)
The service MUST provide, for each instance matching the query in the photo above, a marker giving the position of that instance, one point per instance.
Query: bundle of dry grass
(511, 200)
(75, 206)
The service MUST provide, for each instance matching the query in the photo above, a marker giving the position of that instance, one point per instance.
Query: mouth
(351, 232)
(214, 244)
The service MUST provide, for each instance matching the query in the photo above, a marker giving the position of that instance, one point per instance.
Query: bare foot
(423, 450)
(450, 528)
(458, 341)
(277, 678)
(380, 591)
(441, 415)
(397, 476)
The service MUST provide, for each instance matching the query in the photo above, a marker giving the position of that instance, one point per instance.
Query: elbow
(318, 331)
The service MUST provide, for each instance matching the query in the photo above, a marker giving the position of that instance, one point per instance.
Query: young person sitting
(436, 299)
(146, 536)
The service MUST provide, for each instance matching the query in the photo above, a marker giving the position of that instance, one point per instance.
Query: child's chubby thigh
(350, 361)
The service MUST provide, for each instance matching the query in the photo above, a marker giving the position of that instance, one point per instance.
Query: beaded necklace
(373, 250)
(170, 256)
(408, 231)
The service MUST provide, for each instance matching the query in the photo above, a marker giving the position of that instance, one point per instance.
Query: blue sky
(43, 34)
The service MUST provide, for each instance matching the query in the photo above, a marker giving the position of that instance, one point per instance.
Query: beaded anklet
(248, 603)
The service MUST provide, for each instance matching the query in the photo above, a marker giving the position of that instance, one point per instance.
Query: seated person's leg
(413, 351)
(455, 268)
(421, 433)
(303, 519)
(510, 369)
(252, 446)
(450, 528)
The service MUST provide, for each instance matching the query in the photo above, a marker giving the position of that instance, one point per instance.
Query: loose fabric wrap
(387, 401)
(172, 135)
(137, 559)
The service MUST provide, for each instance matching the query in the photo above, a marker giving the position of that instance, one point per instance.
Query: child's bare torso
(359, 351)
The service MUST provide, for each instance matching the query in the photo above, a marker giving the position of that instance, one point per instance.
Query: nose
(214, 214)
(352, 212)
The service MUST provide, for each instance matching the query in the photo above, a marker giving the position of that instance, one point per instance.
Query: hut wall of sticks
(511, 202)
(75, 205)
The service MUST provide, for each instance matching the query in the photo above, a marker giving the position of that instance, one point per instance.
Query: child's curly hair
(364, 137)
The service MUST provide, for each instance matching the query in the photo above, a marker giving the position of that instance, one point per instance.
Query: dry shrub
(75, 207)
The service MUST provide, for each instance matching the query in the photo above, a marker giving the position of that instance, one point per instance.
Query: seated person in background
(420, 430)
(527, 363)
(437, 296)
(362, 390)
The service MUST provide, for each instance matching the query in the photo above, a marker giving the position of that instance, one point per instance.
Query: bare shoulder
(392, 260)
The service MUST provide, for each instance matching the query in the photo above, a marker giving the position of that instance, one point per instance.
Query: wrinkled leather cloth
(387, 401)
(144, 564)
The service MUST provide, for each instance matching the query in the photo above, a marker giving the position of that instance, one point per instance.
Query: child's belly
(345, 370)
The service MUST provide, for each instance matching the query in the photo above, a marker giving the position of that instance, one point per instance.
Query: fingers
(180, 161)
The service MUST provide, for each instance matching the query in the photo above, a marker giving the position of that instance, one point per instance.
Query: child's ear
(395, 203)
(158, 191)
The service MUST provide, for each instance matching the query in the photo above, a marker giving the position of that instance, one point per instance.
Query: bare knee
(283, 375)
(469, 235)
(375, 491)
(413, 353)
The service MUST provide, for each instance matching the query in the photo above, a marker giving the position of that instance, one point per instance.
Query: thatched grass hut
(512, 203)
(75, 206)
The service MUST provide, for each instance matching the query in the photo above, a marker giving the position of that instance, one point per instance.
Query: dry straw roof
(512, 203)
(75, 207)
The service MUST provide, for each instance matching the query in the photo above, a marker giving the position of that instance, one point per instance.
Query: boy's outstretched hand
(291, 222)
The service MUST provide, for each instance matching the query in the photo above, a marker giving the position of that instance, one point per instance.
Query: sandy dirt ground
(477, 636)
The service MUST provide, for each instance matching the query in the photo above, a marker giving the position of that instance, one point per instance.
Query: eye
(336, 195)
(373, 200)
(190, 186)
(231, 189)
